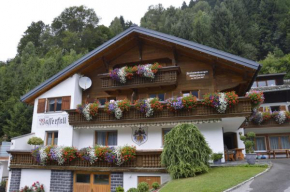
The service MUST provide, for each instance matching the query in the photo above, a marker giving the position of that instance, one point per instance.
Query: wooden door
(149, 179)
(92, 182)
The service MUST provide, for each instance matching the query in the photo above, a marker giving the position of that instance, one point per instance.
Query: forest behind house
(255, 29)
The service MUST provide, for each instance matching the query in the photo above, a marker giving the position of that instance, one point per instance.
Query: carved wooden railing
(165, 76)
(268, 123)
(145, 160)
(242, 109)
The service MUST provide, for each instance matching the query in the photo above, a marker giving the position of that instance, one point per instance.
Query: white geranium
(148, 72)
(149, 110)
(119, 158)
(281, 117)
(122, 75)
(92, 154)
(43, 155)
(222, 103)
(58, 154)
(86, 112)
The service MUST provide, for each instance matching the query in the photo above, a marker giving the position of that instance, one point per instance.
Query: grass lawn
(216, 180)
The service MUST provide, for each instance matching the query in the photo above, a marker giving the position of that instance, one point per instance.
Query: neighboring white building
(187, 67)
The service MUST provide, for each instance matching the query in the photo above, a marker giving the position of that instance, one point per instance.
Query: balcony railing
(201, 112)
(268, 123)
(165, 76)
(146, 160)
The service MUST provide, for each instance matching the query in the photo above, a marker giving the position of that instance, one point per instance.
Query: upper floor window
(106, 138)
(194, 93)
(103, 100)
(54, 104)
(51, 138)
(160, 96)
(264, 83)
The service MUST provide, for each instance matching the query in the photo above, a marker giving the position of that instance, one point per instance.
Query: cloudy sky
(17, 15)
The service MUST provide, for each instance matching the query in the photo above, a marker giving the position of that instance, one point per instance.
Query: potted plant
(216, 157)
(248, 140)
(35, 141)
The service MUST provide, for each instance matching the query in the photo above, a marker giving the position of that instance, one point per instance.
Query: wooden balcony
(266, 124)
(201, 112)
(146, 161)
(166, 76)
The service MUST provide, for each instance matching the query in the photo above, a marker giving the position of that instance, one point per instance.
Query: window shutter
(65, 103)
(282, 108)
(41, 106)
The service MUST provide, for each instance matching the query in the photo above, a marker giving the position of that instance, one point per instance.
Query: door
(92, 182)
(149, 179)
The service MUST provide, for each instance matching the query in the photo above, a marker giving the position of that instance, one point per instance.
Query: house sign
(195, 75)
(55, 120)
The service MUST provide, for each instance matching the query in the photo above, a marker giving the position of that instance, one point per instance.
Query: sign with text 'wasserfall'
(53, 120)
(196, 75)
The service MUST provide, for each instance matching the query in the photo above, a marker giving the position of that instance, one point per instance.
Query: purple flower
(114, 74)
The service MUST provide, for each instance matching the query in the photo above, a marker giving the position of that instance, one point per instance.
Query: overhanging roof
(169, 38)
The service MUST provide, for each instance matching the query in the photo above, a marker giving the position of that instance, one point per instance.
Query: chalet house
(272, 136)
(187, 68)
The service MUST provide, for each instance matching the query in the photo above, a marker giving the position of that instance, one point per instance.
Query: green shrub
(119, 189)
(185, 152)
(35, 141)
(155, 185)
(248, 140)
(143, 187)
(132, 190)
(216, 156)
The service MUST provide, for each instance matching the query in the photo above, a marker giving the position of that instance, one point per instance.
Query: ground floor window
(260, 144)
(51, 138)
(272, 141)
(279, 142)
(106, 138)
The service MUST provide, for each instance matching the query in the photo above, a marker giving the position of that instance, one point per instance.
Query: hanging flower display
(266, 116)
(174, 104)
(122, 74)
(189, 102)
(148, 106)
(117, 107)
(256, 97)
(288, 115)
(279, 116)
(88, 154)
(257, 118)
(89, 110)
(101, 151)
(232, 98)
(41, 154)
(119, 155)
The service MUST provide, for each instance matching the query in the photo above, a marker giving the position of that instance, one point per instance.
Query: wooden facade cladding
(242, 109)
(146, 161)
(166, 76)
(267, 124)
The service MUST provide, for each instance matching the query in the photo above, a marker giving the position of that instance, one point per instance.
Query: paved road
(276, 180)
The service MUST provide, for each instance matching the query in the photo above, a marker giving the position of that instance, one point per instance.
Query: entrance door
(230, 140)
(92, 182)
(149, 179)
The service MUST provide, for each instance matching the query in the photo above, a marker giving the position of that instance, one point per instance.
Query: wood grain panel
(149, 179)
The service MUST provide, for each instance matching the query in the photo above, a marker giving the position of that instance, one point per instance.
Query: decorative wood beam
(174, 56)
(106, 64)
(140, 46)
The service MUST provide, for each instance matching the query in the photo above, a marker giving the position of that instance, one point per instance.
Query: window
(279, 142)
(54, 104)
(275, 108)
(102, 101)
(83, 178)
(160, 96)
(51, 138)
(260, 144)
(101, 179)
(164, 132)
(106, 138)
(271, 82)
(254, 84)
(262, 83)
(194, 93)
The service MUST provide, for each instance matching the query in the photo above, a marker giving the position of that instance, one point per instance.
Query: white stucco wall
(29, 176)
(131, 179)
(68, 87)
(20, 143)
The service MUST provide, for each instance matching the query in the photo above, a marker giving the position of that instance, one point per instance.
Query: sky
(17, 15)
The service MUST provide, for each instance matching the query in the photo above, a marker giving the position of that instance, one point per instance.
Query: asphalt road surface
(277, 179)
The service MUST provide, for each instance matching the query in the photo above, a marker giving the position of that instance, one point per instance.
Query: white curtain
(274, 142)
(260, 143)
(51, 104)
(112, 138)
(49, 138)
(285, 142)
(101, 139)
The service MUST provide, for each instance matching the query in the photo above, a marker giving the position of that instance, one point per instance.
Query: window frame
(279, 140)
(265, 142)
(266, 82)
(52, 137)
(55, 104)
(157, 95)
(107, 131)
(106, 98)
(163, 134)
(190, 92)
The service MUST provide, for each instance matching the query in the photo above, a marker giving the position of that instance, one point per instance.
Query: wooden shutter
(282, 108)
(41, 105)
(261, 109)
(65, 103)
